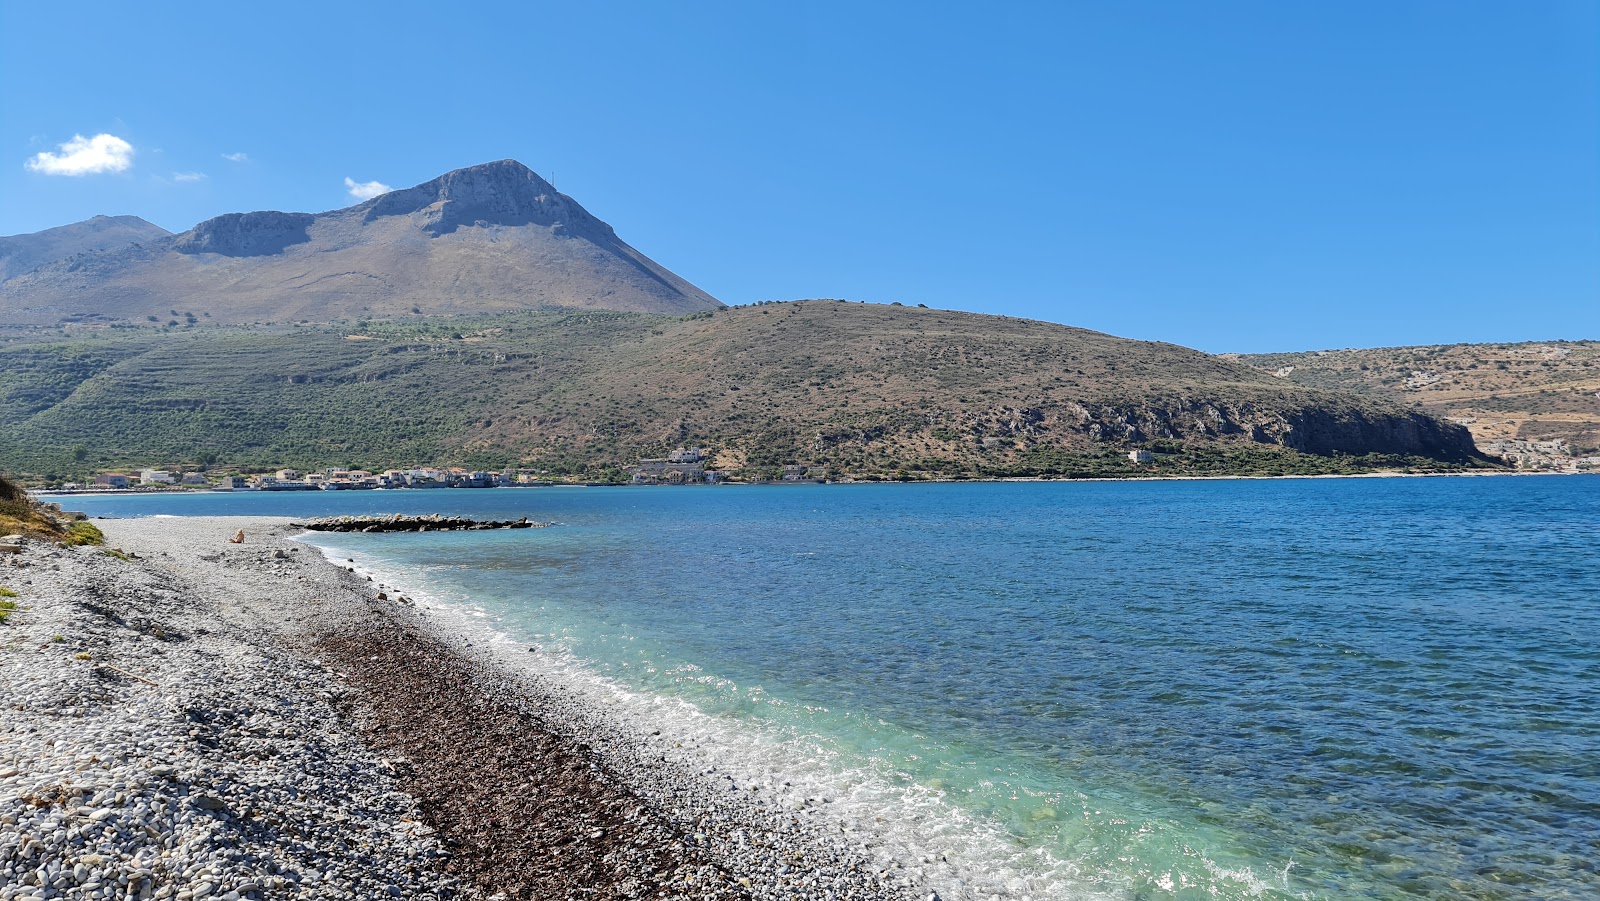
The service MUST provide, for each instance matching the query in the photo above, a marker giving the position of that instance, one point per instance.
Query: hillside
(866, 390)
(23, 253)
(487, 238)
(1515, 398)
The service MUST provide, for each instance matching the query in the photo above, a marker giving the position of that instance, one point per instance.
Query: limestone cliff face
(1324, 425)
(1326, 431)
(245, 234)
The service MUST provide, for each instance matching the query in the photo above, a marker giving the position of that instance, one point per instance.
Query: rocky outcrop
(245, 234)
(1328, 431)
(1323, 426)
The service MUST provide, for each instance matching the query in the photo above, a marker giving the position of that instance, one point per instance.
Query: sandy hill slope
(485, 238)
(23, 253)
(864, 389)
(1512, 396)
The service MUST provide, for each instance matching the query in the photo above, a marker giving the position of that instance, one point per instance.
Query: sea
(1287, 688)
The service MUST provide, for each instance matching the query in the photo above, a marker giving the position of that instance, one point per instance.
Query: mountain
(23, 253)
(486, 238)
(867, 390)
(1536, 401)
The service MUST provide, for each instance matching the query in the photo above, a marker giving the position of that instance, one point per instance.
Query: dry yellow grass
(21, 515)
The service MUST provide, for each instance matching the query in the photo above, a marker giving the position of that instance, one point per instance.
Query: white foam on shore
(954, 852)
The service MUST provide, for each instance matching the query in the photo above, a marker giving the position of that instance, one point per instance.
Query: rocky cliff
(245, 234)
(1326, 424)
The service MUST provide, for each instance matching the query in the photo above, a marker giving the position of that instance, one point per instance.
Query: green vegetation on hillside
(866, 390)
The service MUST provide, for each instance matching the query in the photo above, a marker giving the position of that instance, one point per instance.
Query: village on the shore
(684, 466)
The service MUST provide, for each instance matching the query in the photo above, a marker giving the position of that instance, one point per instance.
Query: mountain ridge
(481, 239)
(20, 254)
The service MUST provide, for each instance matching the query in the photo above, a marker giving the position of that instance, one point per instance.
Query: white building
(1141, 456)
(155, 477)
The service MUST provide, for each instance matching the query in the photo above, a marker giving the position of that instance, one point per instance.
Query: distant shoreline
(134, 492)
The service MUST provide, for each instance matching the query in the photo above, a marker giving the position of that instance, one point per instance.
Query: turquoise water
(1292, 688)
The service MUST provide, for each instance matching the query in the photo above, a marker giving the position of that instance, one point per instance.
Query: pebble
(239, 775)
(227, 776)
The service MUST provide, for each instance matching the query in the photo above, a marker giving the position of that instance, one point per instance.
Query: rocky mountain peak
(506, 178)
(504, 192)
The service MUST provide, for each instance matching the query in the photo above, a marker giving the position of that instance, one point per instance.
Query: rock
(207, 802)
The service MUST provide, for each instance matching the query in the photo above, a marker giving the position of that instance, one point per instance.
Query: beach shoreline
(460, 776)
(1386, 474)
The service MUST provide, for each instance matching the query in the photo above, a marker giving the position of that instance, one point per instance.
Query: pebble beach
(186, 718)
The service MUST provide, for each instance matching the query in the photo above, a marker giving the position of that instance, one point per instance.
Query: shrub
(81, 533)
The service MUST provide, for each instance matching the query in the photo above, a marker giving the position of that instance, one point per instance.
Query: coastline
(263, 670)
(1474, 473)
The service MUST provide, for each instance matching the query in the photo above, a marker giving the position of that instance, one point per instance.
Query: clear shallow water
(1301, 688)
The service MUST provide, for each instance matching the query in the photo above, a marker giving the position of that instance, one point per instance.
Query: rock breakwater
(401, 523)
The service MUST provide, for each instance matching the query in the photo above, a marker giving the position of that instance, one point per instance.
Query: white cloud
(188, 176)
(85, 156)
(366, 190)
(240, 157)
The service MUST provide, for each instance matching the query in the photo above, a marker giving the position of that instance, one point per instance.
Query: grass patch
(115, 552)
(82, 533)
(7, 593)
(6, 609)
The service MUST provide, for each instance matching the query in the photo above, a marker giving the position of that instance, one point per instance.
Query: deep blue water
(1384, 688)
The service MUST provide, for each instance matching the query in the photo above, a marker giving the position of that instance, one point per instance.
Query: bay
(1319, 688)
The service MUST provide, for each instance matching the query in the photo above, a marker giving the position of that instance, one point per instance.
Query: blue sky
(1242, 176)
